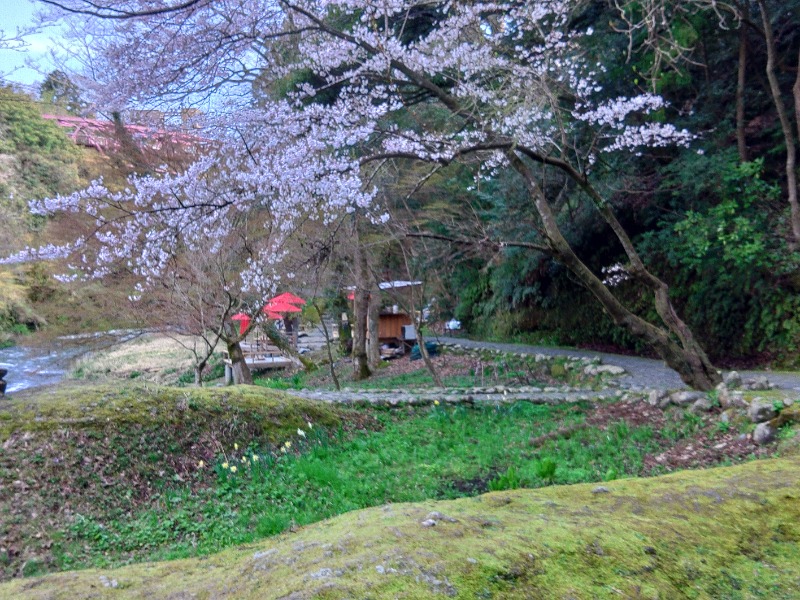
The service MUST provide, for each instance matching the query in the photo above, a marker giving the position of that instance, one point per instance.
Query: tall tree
(509, 87)
(59, 91)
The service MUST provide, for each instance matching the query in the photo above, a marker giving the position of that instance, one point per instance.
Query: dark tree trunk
(327, 345)
(796, 92)
(241, 372)
(361, 368)
(373, 327)
(741, 86)
(786, 125)
(198, 373)
(423, 351)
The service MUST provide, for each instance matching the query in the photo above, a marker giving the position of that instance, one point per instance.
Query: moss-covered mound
(730, 532)
(243, 410)
(111, 451)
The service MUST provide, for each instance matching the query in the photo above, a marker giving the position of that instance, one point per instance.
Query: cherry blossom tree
(508, 86)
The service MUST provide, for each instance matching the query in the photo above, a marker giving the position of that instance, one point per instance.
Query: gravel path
(643, 373)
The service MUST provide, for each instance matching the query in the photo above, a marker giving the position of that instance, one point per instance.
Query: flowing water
(34, 366)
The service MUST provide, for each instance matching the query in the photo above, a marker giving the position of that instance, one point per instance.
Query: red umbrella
(288, 298)
(280, 307)
(244, 321)
(273, 315)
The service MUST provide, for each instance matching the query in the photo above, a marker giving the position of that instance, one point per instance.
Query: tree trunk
(241, 372)
(327, 345)
(796, 93)
(741, 83)
(198, 373)
(687, 358)
(373, 326)
(287, 346)
(423, 352)
(786, 125)
(361, 368)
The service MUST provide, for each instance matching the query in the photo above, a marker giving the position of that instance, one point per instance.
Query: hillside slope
(730, 532)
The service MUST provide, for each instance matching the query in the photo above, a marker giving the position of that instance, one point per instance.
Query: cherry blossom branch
(103, 11)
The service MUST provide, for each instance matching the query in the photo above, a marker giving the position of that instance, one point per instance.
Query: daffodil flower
(255, 457)
(236, 446)
(310, 426)
(301, 433)
(225, 465)
(233, 469)
(283, 449)
(436, 403)
(201, 464)
(288, 444)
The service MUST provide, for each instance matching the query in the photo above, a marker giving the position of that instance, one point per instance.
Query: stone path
(642, 375)
(426, 396)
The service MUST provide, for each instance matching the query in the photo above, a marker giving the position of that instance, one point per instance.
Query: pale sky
(16, 14)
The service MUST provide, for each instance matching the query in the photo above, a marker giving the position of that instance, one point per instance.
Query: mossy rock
(788, 416)
(558, 370)
(99, 407)
(730, 532)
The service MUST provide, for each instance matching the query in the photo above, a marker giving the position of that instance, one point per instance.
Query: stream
(35, 366)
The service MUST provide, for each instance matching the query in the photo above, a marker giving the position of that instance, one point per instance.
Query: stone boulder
(761, 410)
(702, 405)
(734, 417)
(764, 434)
(659, 398)
(685, 398)
(600, 369)
(758, 384)
(732, 379)
(723, 395)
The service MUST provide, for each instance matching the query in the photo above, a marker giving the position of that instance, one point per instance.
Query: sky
(19, 14)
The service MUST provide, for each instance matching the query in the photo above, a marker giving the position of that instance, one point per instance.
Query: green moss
(723, 533)
(113, 406)
(110, 452)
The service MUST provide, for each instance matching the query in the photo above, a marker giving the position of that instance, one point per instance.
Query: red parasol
(280, 307)
(244, 321)
(288, 298)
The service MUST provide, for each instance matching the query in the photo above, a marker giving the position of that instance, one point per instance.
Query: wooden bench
(259, 356)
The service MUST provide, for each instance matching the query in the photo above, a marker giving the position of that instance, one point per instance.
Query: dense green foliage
(713, 226)
(37, 160)
(41, 157)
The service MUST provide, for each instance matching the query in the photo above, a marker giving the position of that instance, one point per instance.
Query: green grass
(437, 453)
(115, 474)
(731, 533)
(107, 452)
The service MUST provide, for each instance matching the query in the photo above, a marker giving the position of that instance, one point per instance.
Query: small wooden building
(395, 326)
(391, 326)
